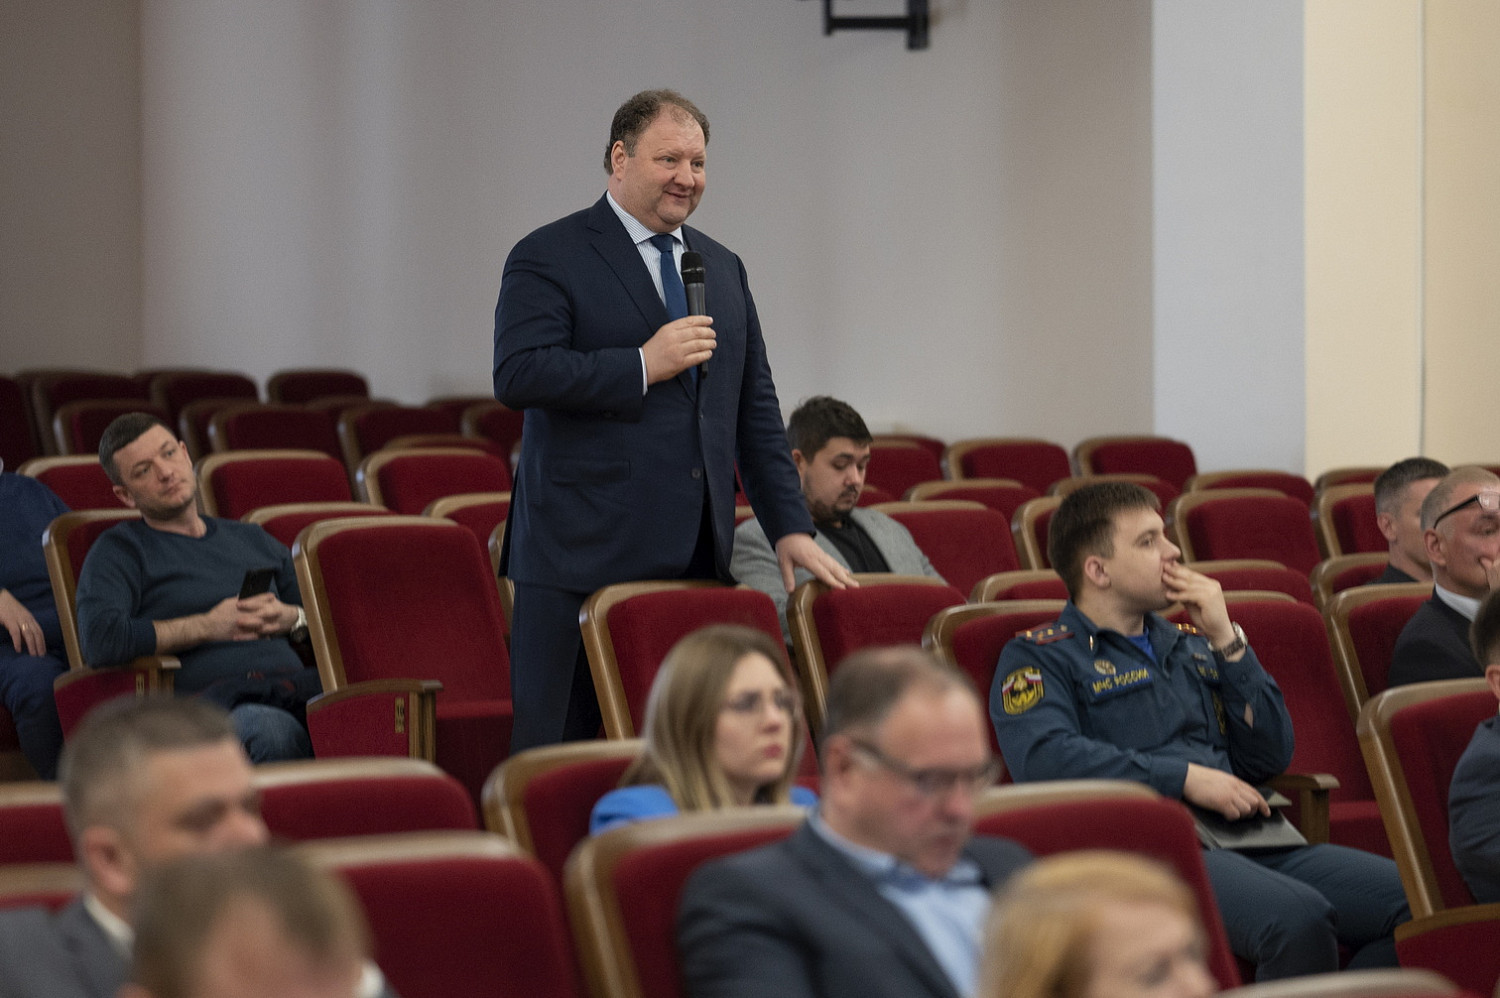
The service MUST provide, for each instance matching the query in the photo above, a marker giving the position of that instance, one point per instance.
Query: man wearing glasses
(883, 891)
(1461, 526)
(1113, 690)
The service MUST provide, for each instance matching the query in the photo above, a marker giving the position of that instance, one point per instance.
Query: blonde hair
(1037, 941)
(682, 714)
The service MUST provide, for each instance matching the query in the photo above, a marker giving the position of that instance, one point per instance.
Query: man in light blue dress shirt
(883, 891)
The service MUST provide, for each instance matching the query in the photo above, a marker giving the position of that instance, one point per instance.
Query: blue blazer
(611, 483)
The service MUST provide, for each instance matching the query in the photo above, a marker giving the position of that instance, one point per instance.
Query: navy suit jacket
(1434, 644)
(611, 483)
(796, 919)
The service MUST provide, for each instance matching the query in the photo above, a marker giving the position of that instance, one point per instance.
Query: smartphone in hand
(257, 581)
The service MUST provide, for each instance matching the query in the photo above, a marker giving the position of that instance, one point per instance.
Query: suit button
(697, 472)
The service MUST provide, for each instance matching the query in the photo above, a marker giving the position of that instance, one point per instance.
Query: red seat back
(332, 798)
(1355, 524)
(175, 389)
(407, 481)
(263, 427)
(77, 479)
(1240, 525)
(1112, 817)
(1275, 578)
(457, 913)
(1282, 481)
(32, 827)
(1170, 460)
(78, 426)
(1034, 463)
(236, 482)
(306, 385)
(1374, 628)
(897, 465)
(17, 441)
(963, 544)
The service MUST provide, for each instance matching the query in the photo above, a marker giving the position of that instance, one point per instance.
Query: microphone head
(692, 268)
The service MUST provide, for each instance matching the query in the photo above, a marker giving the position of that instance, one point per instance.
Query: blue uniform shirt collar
(1163, 633)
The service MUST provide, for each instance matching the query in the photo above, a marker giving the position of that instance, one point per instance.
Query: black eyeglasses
(1488, 501)
(933, 783)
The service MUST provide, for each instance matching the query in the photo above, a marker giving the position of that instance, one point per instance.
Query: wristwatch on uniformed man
(1234, 647)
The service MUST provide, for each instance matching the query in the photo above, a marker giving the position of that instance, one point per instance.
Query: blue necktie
(673, 293)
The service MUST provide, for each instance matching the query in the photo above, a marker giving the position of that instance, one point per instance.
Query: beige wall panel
(1363, 217)
(70, 182)
(1462, 228)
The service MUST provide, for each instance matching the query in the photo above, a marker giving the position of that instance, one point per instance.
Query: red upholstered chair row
(1254, 478)
(1028, 528)
(1164, 490)
(481, 512)
(364, 429)
(495, 422)
(827, 624)
(18, 442)
(1024, 583)
(1167, 459)
(456, 913)
(32, 828)
(1032, 462)
(400, 607)
(542, 798)
(408, 480)
(1363, 625)
(174, 390)
(1345, 571)
(50, 390)
(1345, 519)
(233, 483)
(1003, 495)
(1243, 523)
(972, 637)
(274, 426)
(77, 427)
(308, 384)
(897, 465)
(77, 479)
(1412, 738)
(965, 541)
(284, 521)
(1238, 574)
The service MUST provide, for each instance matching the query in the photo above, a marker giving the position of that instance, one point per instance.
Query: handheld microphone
(693, 282)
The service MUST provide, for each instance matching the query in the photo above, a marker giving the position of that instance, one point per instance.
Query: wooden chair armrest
(376, 717)
(1310, 791)
(78, 691)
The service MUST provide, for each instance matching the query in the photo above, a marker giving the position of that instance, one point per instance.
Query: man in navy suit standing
(637, 413)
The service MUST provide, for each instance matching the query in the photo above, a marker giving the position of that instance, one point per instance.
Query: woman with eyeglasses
(1095, 924)
(723, 728)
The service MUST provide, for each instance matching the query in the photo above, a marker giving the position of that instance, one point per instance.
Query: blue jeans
(269, 733)
(26, 691)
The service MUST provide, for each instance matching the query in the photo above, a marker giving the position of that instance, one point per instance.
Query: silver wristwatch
(1234, 647)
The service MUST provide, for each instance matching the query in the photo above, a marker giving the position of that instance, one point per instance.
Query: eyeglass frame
(1486, 499)
(934, 783)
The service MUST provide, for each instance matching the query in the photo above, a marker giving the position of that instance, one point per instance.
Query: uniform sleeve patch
(1022, 690)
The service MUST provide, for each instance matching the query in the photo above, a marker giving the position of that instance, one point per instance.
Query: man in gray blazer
(882, 892)
(145, 781)
(831, 448)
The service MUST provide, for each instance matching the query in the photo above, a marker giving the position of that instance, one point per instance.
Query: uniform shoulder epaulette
(1188, 629)
(1046, 634)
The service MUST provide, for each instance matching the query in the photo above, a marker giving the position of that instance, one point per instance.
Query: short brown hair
(182, 905)
(682, 714)
(636, 115)
(101, 763)
(1084, 524)
(1392, 483)
(123, 431)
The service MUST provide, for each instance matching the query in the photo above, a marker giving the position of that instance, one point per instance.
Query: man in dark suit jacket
(144, 781)
(1461, 527)
(637, 414)
(882, 892)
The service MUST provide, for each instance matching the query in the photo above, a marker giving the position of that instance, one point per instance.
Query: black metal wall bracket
(914, 23)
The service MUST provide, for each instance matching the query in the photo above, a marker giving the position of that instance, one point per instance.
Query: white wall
(1229, 230)
(954, 240)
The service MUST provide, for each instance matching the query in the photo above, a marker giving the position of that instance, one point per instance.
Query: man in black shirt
(831, 448)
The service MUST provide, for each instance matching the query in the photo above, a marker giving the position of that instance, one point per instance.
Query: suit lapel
(623, 258)
(850, 889)
(92, 954)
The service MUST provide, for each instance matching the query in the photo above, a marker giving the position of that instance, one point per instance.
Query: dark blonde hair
(682, 714)
(1036, 945)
